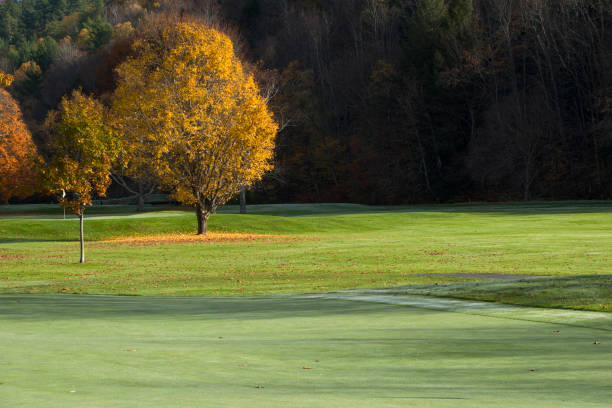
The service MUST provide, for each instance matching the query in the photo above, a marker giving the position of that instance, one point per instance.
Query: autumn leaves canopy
(186, 104)
(18, 176)
(184, 109)
(85, 147)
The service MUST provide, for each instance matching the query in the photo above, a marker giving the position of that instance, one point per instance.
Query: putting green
(334, 350)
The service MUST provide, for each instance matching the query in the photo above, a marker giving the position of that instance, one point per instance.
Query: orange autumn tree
(18, 154)
(83, 153)
(6, 79)
(187, 100)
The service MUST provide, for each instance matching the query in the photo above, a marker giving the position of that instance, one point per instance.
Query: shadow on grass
(603, 282)
(518, 208)
(322, 209)
(55, 209)
(32, 240)
(58, 307)
(588, 292)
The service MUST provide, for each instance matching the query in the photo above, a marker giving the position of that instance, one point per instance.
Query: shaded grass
(56, 210)
(99, 351)
(572, 292)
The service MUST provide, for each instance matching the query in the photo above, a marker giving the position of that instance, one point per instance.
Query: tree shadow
(32, 240)
(60, 306)
(515, 208)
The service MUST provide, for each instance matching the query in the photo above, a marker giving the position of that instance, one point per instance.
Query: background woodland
(379, 101)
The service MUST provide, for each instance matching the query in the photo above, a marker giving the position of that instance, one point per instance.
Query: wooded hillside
(379, 101)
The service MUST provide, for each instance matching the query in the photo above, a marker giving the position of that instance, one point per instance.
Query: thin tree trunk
(527, 185)
(243, 209)
(82, 238)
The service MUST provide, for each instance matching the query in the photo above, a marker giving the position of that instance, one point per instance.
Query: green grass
(378, 346)
(331, 246)
(572, 292)
(105, 351)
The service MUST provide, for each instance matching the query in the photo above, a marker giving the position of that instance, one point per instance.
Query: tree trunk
(82, 238)
(202, 216)
(243, 209)
(141, 203)
(527, 185)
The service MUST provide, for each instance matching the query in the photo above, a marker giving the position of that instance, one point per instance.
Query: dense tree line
(414, 100)
(379, 101)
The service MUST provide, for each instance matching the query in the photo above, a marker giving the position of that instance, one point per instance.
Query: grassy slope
(590, 292)
(92, 351)
(335, 247)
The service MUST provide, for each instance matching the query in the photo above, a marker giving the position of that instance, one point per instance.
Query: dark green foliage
(27, 51)
(29, 29)
(101, 32)
(13, 58)
(31, 84)
(45, 52)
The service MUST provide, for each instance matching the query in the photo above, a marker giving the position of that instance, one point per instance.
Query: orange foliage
(22, 73)
(18, 176)
(162, 239)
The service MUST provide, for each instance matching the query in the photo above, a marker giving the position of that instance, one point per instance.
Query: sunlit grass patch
(336, 247)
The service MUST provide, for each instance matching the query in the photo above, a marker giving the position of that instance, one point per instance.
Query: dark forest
(379, 101)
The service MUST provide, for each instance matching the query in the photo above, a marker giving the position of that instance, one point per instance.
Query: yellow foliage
(186, 97)
(123, 30)
(67, 26)
(6, 79)
(84, 150)
(83, 39)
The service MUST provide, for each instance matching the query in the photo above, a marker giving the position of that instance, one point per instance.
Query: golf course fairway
(298, 351)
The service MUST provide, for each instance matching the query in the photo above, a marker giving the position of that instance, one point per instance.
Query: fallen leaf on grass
(165, 239)
(11, 256)
(131, 350)
(307, 368)
(259, 386)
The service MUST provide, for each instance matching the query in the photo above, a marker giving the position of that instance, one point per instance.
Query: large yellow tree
(188, 101)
